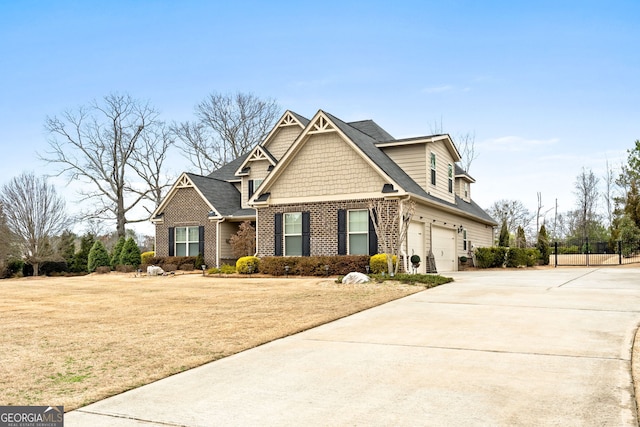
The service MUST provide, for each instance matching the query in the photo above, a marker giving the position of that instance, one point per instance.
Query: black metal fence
(585, 252)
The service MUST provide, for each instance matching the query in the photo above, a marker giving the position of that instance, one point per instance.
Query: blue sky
(547, 87)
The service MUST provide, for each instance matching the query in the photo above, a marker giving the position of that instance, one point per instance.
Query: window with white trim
(187, 241)
(292, 234)
(433, 168)
(466, 190)
(465, 244)
(450, 178)
(358, 231)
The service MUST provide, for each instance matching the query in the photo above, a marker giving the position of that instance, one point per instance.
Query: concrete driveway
(523, 347)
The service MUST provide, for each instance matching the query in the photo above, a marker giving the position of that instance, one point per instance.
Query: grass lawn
(72, 341)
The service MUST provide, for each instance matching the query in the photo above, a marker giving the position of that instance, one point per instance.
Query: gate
(584, 252)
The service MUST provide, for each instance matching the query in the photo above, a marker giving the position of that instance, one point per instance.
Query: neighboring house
(307, 188)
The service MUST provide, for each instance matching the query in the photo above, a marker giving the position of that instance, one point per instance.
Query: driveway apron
(520, 347)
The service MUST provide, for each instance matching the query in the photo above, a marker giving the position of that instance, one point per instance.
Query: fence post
(620, 252)
(555, 251)
(588, 250)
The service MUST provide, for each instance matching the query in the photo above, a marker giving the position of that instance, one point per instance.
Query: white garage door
(443, 245)
(415, 240)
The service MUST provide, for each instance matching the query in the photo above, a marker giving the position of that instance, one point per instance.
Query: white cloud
(438, 89)
(515, 143)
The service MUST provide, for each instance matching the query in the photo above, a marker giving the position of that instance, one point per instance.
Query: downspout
(256, 253)
(218, 245)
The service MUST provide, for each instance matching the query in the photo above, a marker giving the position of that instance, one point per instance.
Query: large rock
(355, 278)
(154, 270)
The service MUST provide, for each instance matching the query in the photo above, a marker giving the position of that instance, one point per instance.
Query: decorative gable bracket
(321, 125)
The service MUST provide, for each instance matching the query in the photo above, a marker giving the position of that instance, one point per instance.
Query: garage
(443, 244)
(415, 243)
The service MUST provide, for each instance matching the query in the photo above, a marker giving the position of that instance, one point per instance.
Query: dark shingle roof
(300, 118)
(391, 168)
(228, 171)
(371, 128)
(222, 195)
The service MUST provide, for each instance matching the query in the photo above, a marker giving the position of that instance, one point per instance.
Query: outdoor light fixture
(286, 270)
(204, 267)
(460, 229)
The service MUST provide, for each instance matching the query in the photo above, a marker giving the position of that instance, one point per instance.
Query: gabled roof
(371, 128)
(228, 171)
(289, 118)
(461, 173)
(221, 196)
(258, 153)
(367, 145)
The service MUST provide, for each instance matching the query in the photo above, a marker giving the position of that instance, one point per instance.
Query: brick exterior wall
(323, 219)
(186, 208)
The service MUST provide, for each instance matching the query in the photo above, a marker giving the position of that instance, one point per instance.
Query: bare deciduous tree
(609, 197)
(37, 214)
(586, 191)
(108, 145)
(227, 126)
(467, 147)
(391, 227)
(513, 213)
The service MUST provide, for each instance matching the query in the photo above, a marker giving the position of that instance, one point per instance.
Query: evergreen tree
(632, 207)
(543, 245)
(521, 240)
(504, 235)
(98, 257)
(82, 256)
(67, 247)
(130, 254)
(117, 250)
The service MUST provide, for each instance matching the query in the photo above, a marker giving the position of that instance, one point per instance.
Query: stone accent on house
(324, 224)
(187, 208)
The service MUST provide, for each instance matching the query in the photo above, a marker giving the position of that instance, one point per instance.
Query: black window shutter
(373, 237)
(306, 234)
(250, 188)
(342, 232)
(172, 241)
(277, 234)
(201, 240)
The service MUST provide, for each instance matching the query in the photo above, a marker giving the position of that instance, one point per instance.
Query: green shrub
(248, 264)
(98, 257)
(145, 257)
(314, 265)
(103, 270)
(378, 263)
(493, 257)
(199, 262)
(227, 269)
(130, 254)
(117, 250)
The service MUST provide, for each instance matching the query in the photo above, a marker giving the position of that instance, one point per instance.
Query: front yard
(72, 341)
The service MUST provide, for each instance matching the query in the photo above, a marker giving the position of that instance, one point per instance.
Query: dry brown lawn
(72, 341)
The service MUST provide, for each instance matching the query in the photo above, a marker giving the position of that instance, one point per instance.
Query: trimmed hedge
(174, 262)
(314, 265)
(378, 263)
(498, 256)
(248, 264)
(493, 257)
(521, 257)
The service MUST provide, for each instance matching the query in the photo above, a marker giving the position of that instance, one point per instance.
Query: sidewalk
(523, 347)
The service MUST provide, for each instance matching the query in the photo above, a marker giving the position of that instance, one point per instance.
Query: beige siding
(259, 170)
(413, 160)
(282, 140)
(227, 229)
(325, 166)
(443, 159)
(186, 208)
(460, 182)
(478, 234)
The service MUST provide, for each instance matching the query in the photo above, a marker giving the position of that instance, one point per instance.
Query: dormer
(253, 171)
(463, 184)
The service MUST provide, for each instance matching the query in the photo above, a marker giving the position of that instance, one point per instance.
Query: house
(307, 188)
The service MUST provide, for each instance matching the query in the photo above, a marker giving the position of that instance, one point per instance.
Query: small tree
(391, 228)
(521, 240)
(543, 245)
(130, 254)
(81, 258)
(504, 235)
(98, 257)
(117, 250)
(66, 247)
(629, 235)
(243, 243)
